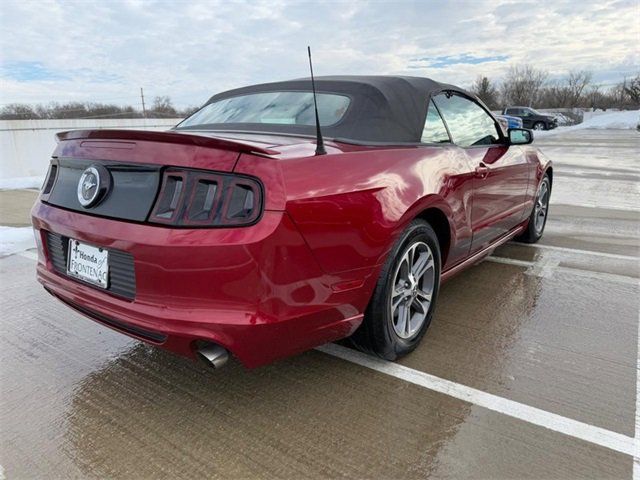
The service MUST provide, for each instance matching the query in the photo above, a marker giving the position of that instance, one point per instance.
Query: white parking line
(578, 250)
(546, 267)
(510, 261)
(612, 277)
(540, 268)
(557, 423)
(595, 206)
(636, 457)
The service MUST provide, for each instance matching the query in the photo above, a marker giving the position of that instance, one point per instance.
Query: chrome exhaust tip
(213, 355)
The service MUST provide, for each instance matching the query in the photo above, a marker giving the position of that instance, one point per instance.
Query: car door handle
(482, 171)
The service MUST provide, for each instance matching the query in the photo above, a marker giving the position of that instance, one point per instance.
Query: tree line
(161, 107)
(525, 85)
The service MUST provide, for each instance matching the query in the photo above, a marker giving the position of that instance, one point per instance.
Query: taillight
(50, 180)
(197, 198)
(39, 246)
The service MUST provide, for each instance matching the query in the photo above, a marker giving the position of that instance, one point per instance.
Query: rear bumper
(257, 291)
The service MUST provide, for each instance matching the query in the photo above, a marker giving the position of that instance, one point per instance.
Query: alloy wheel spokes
(542, 204)
(404, 314)
(424, 296)
(399, 294)
(413, 281)
(424, 263)
(419, 307)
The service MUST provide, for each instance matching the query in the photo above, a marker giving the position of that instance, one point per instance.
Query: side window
(468, 122)
(434, 130)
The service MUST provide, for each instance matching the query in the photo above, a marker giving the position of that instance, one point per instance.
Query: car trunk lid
(135, 160)
(181, 137)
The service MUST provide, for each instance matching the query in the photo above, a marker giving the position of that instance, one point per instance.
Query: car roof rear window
(279, 108)
(365, 110)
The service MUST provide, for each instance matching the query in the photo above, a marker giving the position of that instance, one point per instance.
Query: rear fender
(432, 202)
(269, 171)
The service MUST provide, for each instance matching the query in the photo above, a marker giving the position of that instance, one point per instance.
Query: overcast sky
(106, 50)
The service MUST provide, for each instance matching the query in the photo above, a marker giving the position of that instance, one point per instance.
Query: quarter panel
(351, 207)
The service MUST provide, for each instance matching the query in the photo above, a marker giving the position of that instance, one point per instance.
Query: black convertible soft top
(383, 109)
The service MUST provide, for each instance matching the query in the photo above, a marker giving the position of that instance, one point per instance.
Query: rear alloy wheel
(539, 126)
(538, 218)
(404, 299)
(413, 282)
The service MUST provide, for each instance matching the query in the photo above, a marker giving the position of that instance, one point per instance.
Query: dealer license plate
(88, 263)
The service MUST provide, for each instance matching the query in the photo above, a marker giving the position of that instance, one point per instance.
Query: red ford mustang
(234, 231)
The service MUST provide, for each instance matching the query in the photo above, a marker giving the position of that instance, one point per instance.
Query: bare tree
(56, 110)
(522, 85)
(17, 111)
(632, 89)
(188, 111)
(566, 92)
(486, 90)
(555, 94)
(595, 98)
(618, 94)
(577, 81)
(162, 107)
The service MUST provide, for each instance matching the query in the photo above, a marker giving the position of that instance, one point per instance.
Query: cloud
(22, 71)
(447, 60)
(105, 51)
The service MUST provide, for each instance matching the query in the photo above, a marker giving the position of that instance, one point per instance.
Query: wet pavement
(15, 206)
(549, 331)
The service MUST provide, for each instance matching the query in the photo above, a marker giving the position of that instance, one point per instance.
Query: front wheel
(404, 299)
(539, 126)
(538, 217)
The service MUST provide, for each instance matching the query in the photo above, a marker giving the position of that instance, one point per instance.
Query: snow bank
(16, 239)
(20, 183)
(616, 120)
(626, 120)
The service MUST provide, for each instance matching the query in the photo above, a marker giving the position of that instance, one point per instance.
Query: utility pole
(144, 110)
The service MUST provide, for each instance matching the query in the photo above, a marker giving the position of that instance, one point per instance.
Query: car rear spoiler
(166, 137)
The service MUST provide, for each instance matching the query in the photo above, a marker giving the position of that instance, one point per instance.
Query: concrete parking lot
(529, 370)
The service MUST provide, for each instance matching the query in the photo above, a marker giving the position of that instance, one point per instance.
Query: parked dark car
(235, 232)
(532, 118)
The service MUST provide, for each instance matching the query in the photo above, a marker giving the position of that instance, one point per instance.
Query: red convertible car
(237, 233)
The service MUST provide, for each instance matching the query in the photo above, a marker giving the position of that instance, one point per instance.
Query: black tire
(539, 126)
(377, 334)
(534, 233)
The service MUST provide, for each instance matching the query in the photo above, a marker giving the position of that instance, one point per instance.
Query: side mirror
(520, 136)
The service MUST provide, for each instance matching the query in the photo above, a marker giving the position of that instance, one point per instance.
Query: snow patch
(616, 120)
(16, 239)
(626, 120)
(19, 183)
